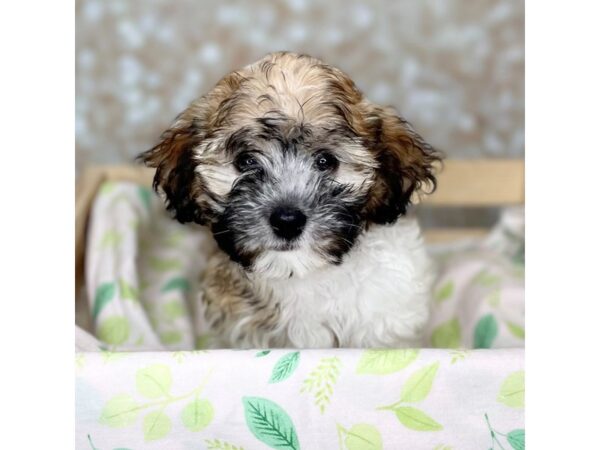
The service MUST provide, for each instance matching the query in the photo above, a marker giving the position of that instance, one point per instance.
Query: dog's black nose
(287, 222)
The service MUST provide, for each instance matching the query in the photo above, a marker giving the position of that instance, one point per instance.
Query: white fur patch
(219, 178)
(283, 264)
(378, 297)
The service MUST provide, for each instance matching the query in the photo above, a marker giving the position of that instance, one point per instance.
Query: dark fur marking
(173, 160)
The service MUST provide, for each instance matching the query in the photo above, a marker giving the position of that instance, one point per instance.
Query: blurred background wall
(454, 68)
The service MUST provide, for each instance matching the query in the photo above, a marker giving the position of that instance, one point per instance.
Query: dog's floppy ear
(173, 158)
(406, 165)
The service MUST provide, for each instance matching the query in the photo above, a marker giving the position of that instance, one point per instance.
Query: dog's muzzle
(287, 222)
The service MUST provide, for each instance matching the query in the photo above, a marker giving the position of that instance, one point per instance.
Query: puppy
(304, 185)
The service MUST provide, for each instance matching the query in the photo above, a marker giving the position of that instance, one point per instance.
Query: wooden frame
(486, 182)
(476, 183)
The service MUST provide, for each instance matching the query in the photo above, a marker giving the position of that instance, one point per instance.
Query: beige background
(455, 69)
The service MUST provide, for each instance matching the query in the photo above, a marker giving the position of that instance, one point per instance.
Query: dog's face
(287, 163)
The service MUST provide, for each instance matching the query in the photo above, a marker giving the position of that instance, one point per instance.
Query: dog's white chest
(378, 296)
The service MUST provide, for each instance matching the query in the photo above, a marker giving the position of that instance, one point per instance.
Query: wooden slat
(442, 235)
(479, 183)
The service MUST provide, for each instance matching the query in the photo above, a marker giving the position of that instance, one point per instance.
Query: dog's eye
(245, 162)
(326, 161)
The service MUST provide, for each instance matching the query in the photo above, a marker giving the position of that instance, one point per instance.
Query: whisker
(222, 232)
(346, 241)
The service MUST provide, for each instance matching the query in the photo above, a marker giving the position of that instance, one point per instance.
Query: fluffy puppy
(304, 185)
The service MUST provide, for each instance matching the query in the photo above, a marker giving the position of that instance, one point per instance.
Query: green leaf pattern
(154, 385)
(165, 265)
(515, 438)
(516, 330)
(114, 330)
(485, 332)
(146, 197)
(104, 294)
(158, 408)
(512, 391)
(321, 380)
(154, 381)
(447, 335)
(284, 367)
(385, 361)
(416, 419)
(444, 292)
(156, 425)
(120, 411)
(197, 414)
(111, 239)
(128, 292)
(361, 436)
(419, 384)
(218, 444)
(270, 424)
(177, 283)
(416, 389)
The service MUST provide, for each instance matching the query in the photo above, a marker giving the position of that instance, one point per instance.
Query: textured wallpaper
(455, 69)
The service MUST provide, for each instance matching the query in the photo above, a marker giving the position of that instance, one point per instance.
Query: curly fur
(357, 275)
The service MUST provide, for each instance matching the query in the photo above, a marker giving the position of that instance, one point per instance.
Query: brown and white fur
(304, 185)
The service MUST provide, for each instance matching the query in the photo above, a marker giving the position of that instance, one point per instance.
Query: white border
(37, 231)
(563, 226)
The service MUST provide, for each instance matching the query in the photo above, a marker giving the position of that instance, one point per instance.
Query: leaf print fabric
(141, 272)
(479, 298)
(155, 383)
(158, 400)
